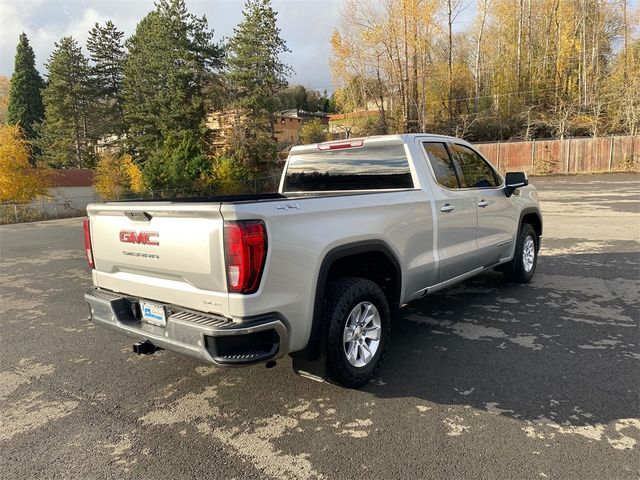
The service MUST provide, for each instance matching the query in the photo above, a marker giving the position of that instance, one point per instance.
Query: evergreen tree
(65, 137)
(107, 53)
(171, 59)
(300, 98)
(294, 96)
(178, 164)
(256, 75)
(25, 101)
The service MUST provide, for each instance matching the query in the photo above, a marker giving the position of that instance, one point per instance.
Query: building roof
(72, 177)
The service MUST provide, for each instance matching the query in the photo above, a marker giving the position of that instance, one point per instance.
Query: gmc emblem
(140, 238)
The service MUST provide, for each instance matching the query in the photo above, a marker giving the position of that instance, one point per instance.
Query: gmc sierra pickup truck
(319, 270)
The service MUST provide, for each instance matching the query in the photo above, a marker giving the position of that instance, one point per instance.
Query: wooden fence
(571, 155)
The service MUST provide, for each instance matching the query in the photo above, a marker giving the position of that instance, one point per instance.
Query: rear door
(456, 242)
(497, 215)
(164, 251)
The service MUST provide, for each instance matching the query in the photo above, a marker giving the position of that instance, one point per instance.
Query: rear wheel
(525, 258)
(358, 316)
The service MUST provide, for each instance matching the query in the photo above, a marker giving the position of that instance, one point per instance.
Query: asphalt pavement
(482, 380)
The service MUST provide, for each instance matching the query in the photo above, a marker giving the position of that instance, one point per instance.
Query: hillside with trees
(137, 108)
(523, 69)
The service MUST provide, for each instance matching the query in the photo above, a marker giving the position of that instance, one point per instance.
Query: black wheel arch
(532, 216)
(312, 359)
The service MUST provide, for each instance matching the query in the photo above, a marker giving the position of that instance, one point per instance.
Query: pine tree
(171, 59)
(66, 139)
(25, 101)
(256, 73)
(256, 76)
(107, 53)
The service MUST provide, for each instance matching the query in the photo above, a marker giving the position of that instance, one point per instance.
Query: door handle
(483, 204)
(447, 208)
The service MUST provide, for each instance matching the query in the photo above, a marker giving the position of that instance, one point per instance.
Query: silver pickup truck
(319, 270)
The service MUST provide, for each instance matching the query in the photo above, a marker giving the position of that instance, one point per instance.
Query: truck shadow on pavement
(562, 349)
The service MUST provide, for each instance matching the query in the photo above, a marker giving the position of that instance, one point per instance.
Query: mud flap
(313, 368)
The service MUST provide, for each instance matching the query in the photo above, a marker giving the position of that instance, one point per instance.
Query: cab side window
(473, 170)
(441, 163)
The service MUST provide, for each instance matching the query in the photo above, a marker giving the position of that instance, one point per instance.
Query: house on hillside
(109, 144)
(222, 124)
(287, 125)
(289, 122)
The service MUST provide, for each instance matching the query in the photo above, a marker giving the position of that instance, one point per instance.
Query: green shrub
(228, 176)
(177, 165)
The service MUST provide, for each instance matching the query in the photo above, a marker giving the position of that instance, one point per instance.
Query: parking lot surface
(482, 380)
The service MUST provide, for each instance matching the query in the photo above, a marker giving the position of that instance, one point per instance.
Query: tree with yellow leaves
(19, 181)
(4, 98)
(313, 132)
(523, 69)
(116, 176)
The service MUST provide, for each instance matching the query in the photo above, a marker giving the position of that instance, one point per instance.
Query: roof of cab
(374, 139)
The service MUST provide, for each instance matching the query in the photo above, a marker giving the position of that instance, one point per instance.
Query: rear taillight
(245, 250)
(87, 243)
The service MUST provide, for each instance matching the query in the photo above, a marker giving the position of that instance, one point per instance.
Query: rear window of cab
(365, 168)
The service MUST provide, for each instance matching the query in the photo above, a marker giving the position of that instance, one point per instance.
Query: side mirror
(513, 181)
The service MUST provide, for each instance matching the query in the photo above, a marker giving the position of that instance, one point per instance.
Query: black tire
(515, 270)
(344, 294)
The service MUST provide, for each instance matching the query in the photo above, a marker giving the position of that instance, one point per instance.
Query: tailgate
(164, 251)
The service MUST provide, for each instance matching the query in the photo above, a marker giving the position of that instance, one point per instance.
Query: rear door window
(361, 168)
(441, 164)
(473, 170)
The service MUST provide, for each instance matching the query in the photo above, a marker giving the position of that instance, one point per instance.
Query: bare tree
(483, 6)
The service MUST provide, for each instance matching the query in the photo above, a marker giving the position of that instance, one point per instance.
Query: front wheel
(525, 258)
(359, 320)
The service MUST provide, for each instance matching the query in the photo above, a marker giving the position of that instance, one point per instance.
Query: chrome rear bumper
(212, 338)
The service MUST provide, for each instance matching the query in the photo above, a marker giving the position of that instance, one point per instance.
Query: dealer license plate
(153, 313)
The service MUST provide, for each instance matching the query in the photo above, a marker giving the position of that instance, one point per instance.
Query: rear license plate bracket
(153, 313)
